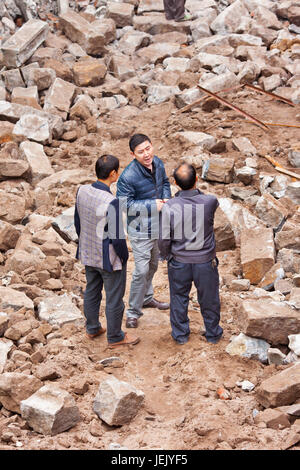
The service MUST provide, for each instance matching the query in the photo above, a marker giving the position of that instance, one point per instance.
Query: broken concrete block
(40, 77)
(21, 46)
(218, 169)
(131, 41)
(156, 53)
(240, 285)
(160, 93)
(5, 346)
(288, 239)
(117, 402)
(12, 79)
(33, 127)
(12, 207)
(89, 72)
(121, 13)
(59, 98)
(257, 253)
(4, 320)
(268, 319)
(233, 19)
(281, 389)
(172, 64)
(91, 36)
(246, 346)
(39, 164)
(15, 387)
(58, 310)
(224, 235)
(273, 419)
(158, 24)
(272, 211)
(26, 96)
(215, 83)
(245, 174)
(274, 274)
(122, 67)
(205, 141)
(12, 168)
(71, 177)
(243, 145)
(50, 410)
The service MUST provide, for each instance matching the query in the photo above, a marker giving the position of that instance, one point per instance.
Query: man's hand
(159, 204)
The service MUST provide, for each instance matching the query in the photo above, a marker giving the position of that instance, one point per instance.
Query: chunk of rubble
(272, 211)
(269, 320)
(58, 310)
(117, 402)
(273, 419)
(89, 72)
(246, 346)
(275, 356)
(64, 225)
(5, 347)
(293, 192)
(27, 96)
(13, 299)
(15, 387)
(157, 94)
(20, 47)
(257, 253)
(59, 98)
(294, 157)
(50, 410)
(294, 299)
(294, 343)
(39, 164)
(121, 13)
(33, 127)
(245, 174)
(9, 236)
(281, 389)
(218, 169)
(233, 19)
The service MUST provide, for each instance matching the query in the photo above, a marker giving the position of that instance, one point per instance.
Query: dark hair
(105, 164)
(187, 178)
(136, 140)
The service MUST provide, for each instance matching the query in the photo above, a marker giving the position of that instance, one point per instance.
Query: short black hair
(136, 140)
(105, 164)
(187, 178)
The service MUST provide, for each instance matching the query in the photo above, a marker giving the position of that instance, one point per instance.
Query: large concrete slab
(21, 46)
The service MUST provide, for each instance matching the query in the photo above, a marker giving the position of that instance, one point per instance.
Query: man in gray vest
(102, 249)
(187, 241)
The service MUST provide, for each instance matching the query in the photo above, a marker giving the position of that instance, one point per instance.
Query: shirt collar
(99, 185)
(188, 193)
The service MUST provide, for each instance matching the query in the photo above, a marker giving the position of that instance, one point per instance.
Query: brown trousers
(174, 9)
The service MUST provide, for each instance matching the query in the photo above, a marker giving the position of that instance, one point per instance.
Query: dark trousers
(206, 279)
(114, 286)
(174, 9)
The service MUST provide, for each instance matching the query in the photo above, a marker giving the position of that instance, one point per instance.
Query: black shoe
(181, 340)
(131, 322)
(156, 304)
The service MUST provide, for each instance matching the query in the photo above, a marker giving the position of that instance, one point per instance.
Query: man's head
(185, 176)
(107, 168)
(142, 149)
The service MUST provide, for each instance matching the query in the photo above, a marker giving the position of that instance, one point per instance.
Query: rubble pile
(77, 78)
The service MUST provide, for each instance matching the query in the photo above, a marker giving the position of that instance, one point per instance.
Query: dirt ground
(182, 409)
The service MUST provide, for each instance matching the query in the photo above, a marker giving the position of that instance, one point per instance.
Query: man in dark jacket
(102, 249)
(143, 188)
(187, 241)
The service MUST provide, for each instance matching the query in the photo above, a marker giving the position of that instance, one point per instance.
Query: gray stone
(293, 192)
(21, 46)
(294, 300)
(233, 19)
(294, 343)
(132, 41)
(240, 285)
(4, 320)
(215, 83)
(275, 356)
(63, 177)
(33, 127)
(160, 93)
(245, 174)
(294, 157)
(243, 145)
(271, 211)
(246, 346)
(64, 225)
(40, 166)
(218, 169)
(121, 13)
(59, 97)
(117, 402)
(58, 310)
(200, 139)
(50, 410)
(12, 79)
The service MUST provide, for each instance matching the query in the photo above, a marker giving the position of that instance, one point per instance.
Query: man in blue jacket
(102, 249)
(143, 188)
